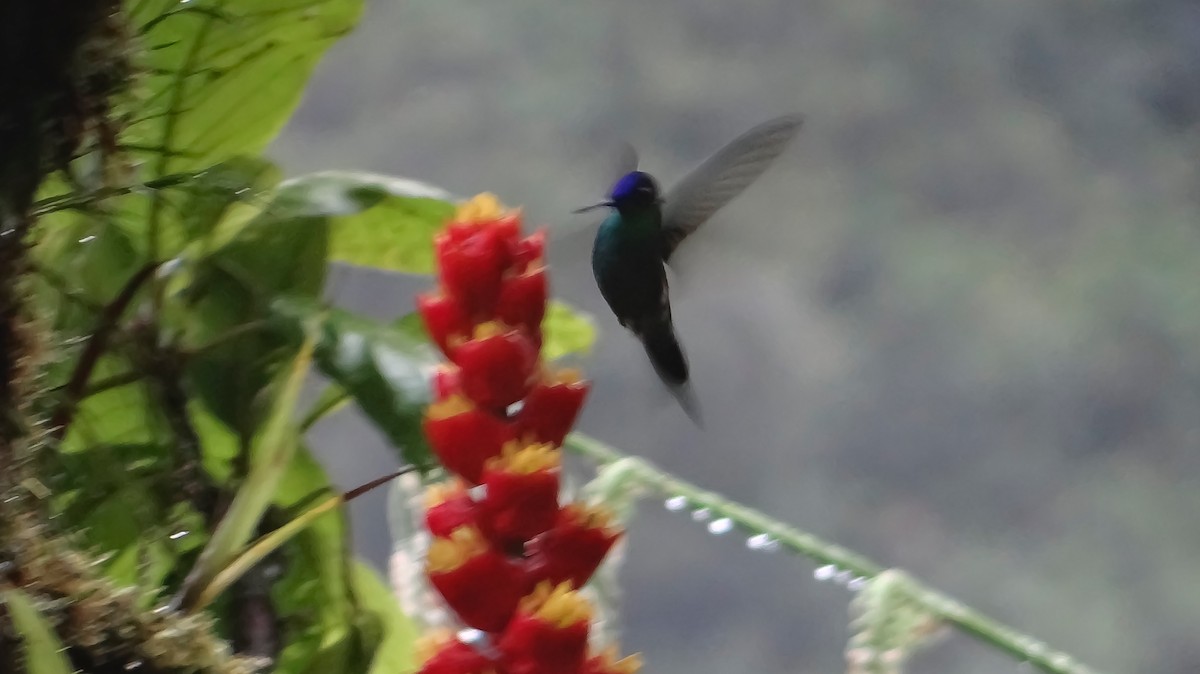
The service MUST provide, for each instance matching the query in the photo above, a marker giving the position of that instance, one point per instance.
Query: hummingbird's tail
(666, 355)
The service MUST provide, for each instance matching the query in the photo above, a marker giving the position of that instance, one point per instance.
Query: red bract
(442, 653)
(471, 269)
(480, 584)
(574, 547)
(549, 633)
(445, 382)
(529, 251)
(448, 506)
(444, 319)
(464, 437)
(521, 500)
(497, 367)
(552, 406)
(522, 301)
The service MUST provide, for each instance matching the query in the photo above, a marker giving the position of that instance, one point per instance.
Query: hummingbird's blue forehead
(632, 183)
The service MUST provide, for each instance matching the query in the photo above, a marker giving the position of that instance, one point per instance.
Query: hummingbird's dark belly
(631, 278)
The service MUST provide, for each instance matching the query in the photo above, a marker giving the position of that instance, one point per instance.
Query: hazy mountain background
(956, 327)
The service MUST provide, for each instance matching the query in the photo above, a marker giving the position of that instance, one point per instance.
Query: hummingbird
(645, 226)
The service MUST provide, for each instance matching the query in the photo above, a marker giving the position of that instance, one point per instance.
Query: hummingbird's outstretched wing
(722, 177)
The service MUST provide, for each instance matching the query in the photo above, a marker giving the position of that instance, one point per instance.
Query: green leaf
(314, 596)
(382, 366)
(271, 453)
(224, 192)
(375, 220)
(281, 251)
(395, 632)
(43, 650)
(566, 332)
(222, 77)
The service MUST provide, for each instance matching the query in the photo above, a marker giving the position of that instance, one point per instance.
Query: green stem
(947, 609)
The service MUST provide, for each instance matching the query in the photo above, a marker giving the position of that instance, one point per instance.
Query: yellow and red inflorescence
(509, 561)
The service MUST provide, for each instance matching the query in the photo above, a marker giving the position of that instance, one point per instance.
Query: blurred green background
(956, 327)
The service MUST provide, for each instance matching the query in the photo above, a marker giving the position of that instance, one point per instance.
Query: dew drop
(856, 584)
(758, 542)
(826, 572)
(675, 503)
(842, 577)
(701, 514)
(178, 535)
(88, 238)
(478, 492)
(469, 636)
(721, 526)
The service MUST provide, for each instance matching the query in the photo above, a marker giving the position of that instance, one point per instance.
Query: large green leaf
(375, 220)
(223, 76)
(221, 79)
(383, 367)
(43, 650)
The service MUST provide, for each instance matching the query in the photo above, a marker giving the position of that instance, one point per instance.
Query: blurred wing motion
(722, 177)
(626, 161)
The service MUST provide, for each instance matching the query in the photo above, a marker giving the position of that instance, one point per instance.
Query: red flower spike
(448, 506)
(606, 662)
(522, 492)
(548, 634)
(574, 547)
(481, 585)
(443, 318)
(445, 382)
(552, 406)
(442, 653)
(464, 437)
(498, 366)
(522, 300)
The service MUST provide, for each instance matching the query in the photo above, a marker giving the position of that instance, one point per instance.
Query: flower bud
(552, 406)
(478, 583)
(497, 366)
(521, 500)
(522, 300)
(464, 437)
(574, 547)
(548, 633)
(443, 317)
(448, 506)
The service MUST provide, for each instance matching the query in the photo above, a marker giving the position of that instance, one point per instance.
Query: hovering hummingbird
(644, 228)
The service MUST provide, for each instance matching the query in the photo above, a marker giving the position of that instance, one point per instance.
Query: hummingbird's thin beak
(585, 209)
